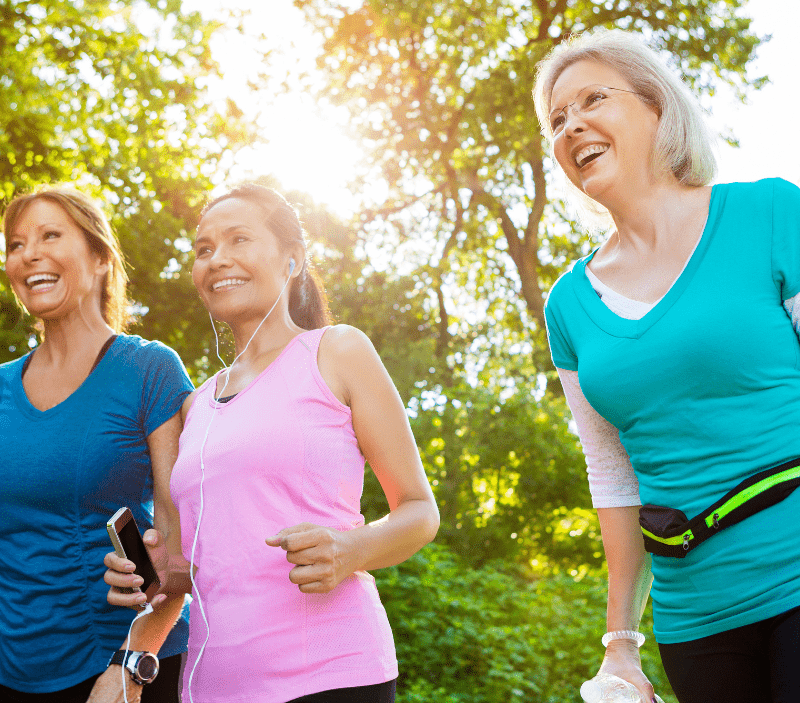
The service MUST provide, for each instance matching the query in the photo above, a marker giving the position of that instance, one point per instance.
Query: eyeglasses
(588, 100)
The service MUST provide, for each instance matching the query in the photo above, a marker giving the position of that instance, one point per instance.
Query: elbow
(430, 524)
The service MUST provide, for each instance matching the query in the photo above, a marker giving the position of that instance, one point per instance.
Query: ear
(299, 255)
(102, 267)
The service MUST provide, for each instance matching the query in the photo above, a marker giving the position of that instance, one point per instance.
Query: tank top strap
(310, 341)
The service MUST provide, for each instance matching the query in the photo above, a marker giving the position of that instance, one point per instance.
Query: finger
(298, 537)
(315, 587)
(117, 563)
(312, 555)
(308, 574)
(118, 580)
(125, 600)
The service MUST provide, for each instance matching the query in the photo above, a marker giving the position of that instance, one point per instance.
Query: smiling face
(49, 262)
(240, 266)
(604, 138)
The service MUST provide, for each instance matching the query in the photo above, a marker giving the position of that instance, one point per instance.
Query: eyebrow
(590, 85)
(228, 230)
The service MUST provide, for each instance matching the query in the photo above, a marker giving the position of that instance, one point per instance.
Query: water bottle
(605, 688)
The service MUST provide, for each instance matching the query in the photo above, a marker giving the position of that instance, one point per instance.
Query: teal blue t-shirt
(705, 392)
(63, 474)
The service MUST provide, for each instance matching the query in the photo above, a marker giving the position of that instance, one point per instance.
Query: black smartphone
(128, 544)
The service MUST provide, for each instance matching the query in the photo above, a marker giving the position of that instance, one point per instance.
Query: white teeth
(40, 278)
(228, 282)
(584, 154)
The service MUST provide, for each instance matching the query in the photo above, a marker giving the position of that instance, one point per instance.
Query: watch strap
(123, 657)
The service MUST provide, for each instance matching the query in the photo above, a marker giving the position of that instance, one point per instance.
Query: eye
(51, 234)
(13, 245)
(593, 100)
(558, 121)
(202, 250)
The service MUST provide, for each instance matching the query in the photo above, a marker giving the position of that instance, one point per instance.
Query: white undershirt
(612, 481)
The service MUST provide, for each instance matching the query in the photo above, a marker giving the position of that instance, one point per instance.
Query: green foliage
(494, 634)
(109, 97)
(439, 93)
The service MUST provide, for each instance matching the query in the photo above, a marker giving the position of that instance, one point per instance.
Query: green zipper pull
(686, 539)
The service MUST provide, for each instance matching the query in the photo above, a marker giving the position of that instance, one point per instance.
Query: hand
(108, 687)
(120, 573)
(324, 556)
(622, 660)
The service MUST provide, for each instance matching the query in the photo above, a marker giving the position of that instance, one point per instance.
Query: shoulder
(344, 342)
(9, 368)
(135, 345)
(766, 188)
(562, 290)
(148, 355)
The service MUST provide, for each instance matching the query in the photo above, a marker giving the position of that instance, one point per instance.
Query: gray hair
(684, 143)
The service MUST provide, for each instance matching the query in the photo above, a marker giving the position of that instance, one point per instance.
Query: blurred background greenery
(455, 234)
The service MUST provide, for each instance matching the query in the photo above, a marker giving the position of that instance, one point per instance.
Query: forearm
(629, 575)
(151, 630)
(396, 536)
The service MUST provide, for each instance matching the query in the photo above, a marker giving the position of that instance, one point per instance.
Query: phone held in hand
(128, 544)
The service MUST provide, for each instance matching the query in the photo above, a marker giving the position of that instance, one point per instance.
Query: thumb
(152, 538)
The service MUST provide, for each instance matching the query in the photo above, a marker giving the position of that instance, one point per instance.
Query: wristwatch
(143, 666)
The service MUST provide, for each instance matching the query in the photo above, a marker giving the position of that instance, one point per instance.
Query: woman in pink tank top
(268, 481)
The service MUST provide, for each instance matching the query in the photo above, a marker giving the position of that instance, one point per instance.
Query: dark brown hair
(308, 304)
(88, 216)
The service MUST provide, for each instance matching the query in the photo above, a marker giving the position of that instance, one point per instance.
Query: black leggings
(758, 663)
(165, 689)
(377, 693)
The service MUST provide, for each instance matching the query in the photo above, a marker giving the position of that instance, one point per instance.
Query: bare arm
(629, 581)
(355, 373)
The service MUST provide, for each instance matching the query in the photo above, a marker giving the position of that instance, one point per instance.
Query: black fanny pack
(669, 533)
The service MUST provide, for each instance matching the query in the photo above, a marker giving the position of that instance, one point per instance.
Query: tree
(109, 96)
(439, 91)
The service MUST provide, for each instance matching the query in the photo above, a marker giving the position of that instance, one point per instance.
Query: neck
(252, 338)
(659, 216)
(76, 335)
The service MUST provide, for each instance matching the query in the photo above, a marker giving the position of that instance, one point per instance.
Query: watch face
(147, 667)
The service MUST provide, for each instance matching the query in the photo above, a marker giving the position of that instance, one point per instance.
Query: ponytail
(308, 304)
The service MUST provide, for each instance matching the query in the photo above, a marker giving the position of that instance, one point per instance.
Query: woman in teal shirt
(675, 345)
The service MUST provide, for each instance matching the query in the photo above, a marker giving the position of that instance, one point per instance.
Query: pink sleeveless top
(283, 451)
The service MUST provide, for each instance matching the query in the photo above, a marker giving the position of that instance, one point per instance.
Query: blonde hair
(88, 216)
(684, 143)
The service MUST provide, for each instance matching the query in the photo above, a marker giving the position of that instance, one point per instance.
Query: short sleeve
(166, 385)
(786, 237)
(561, 350)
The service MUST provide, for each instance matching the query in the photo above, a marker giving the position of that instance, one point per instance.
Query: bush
(492, 635)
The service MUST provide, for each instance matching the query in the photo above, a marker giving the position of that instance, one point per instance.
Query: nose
(30, 251)
(220, 258)
(573, 122)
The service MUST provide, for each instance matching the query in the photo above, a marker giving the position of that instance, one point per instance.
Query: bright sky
(307, 148)
(767, 126)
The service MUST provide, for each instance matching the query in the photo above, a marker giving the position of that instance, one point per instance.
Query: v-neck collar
(617, 326)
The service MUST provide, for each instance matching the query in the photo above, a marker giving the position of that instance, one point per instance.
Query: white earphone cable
(215, 407)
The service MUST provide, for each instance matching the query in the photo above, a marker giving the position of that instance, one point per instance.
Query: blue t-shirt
(705, 392)
(64, 472)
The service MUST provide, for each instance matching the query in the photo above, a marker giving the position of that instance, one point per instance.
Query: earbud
(292, 264)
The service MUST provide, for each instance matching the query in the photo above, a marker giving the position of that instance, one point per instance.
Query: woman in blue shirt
(88, 423)
(681, 367)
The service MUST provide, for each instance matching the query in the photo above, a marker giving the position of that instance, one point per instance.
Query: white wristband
(637, 637)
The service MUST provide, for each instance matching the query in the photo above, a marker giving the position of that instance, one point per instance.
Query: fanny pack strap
(751, 496)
